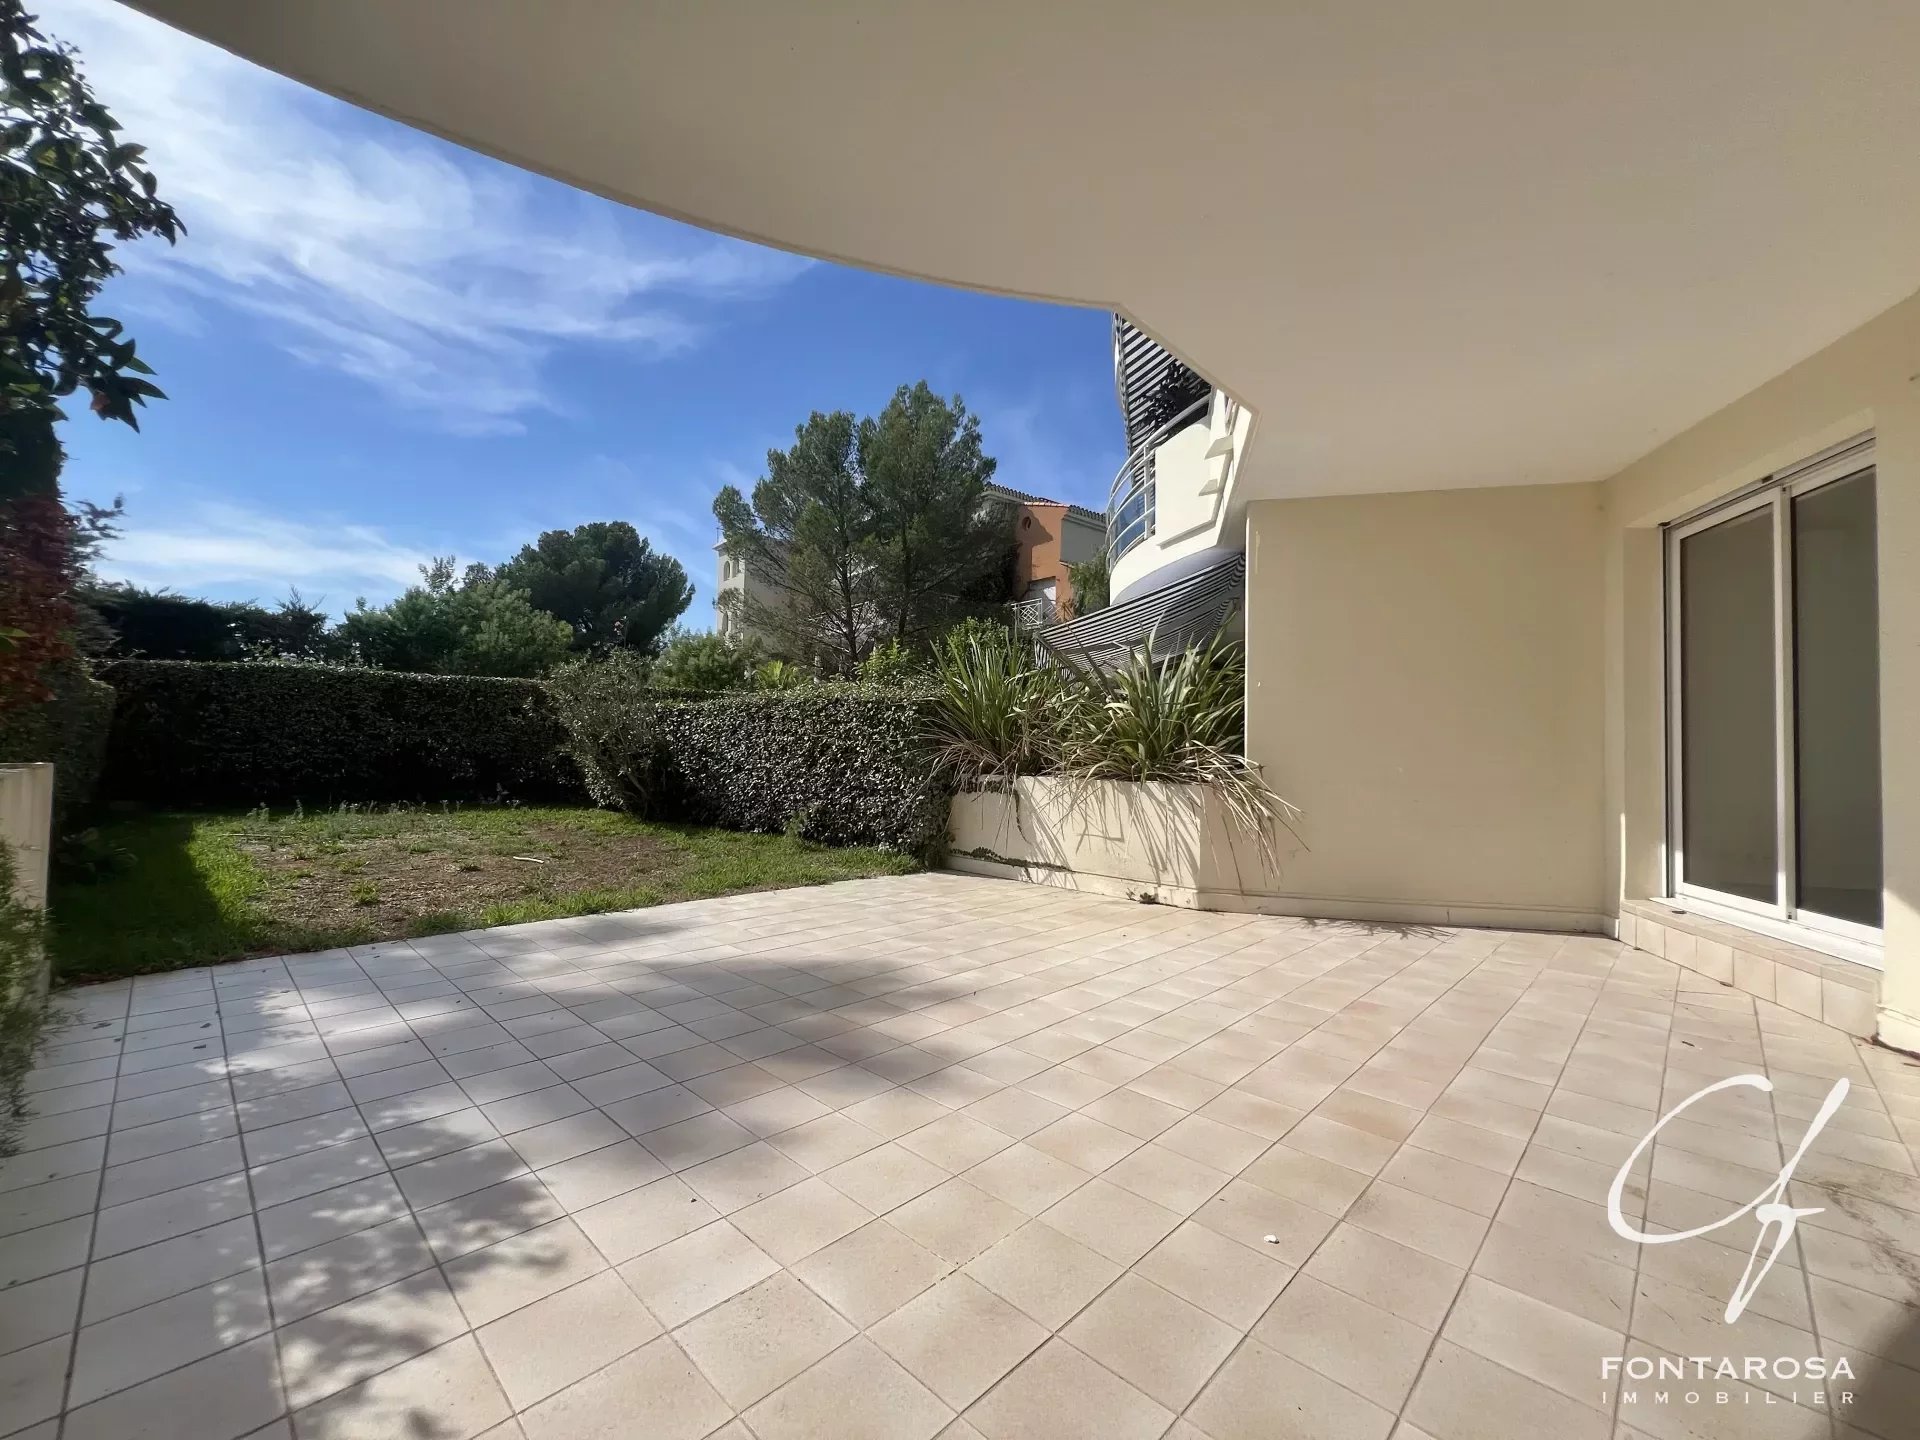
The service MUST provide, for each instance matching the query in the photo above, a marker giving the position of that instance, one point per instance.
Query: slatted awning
(1175, 617)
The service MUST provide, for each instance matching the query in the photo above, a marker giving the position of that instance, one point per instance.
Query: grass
(174, 890)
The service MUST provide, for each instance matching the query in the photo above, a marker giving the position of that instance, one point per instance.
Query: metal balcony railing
(1131, 498)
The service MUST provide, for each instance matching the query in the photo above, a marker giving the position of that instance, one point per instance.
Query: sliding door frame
(1774, 495)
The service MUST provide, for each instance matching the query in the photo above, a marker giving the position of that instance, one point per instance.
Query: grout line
(93, 1231)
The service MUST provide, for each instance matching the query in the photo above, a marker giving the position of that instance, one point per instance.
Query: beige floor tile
(754, 1343)
(776, 1111)
(448, 1393)
(336, 1348)
(1359, 1150)
(869, 1274)
(1139, 1114)
(1308, 1179)
(1043, 1272)
(1461, 1396)
(1083, 1142)
(1153, 1339)
(1441, 1177)
(1015, 1113)
(1262, 1395)
(1223, 1147)
(1167, 1178)
(226, 1395)
(824, 1143)
(1406, 1282)
(955, 1221)
(954, 1142)
(1444, 1231)
(682, 1278)
(800, 1220)
(486, 1216)
(322, 1277)
(140, 1277)
(1059, 1393)
(600, 1174)
(1594, 1289)
(655, 1392)
(685, 1144)
(31, 1381)
(1542, 1341)
(501, 1278)
(1030, 1180)
(856, 1393)
(448, 1177)
(143, 1343)
(1219, 1275)
(636, 1222)
(741, 1177)
(895, 1112)
(564, 1337)
(1249, 1214)
(1374, 1353)
(565, 1139)
(1117, 1223)
(162, 1217)
(884, 1177)
(957, 1339)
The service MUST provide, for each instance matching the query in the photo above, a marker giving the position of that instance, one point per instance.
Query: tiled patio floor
(938, 1156)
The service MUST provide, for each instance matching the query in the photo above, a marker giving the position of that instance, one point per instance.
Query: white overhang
(1463, 242)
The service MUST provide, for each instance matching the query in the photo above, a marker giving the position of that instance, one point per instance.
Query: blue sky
(379, 347)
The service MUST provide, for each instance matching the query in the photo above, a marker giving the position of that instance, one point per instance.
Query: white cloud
(441, 278)
(218, 545)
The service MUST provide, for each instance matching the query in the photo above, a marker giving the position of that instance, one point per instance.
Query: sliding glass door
(1773, 644)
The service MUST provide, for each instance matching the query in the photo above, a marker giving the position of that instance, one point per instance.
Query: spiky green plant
(996, 709)
(1180, 720)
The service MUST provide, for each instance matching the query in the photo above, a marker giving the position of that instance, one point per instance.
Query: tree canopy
(606, 581)
(871, 530)
(70, 187)
(474, 625)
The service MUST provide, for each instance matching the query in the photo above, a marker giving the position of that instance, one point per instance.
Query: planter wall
(1170, 843)
(1174, 844)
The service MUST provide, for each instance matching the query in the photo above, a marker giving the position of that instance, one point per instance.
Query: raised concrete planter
(1171, 843)
(26, 829)
(1177, 845)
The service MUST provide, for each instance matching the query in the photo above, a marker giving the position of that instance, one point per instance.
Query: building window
(1774, 689)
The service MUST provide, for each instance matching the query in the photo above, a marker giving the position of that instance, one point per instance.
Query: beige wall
(1425, 677)
(1866, 381)
(1465, 690)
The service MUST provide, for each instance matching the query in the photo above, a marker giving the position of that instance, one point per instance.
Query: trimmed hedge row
(841, 765)
(69, 728)
(837, 764)
(203, 733)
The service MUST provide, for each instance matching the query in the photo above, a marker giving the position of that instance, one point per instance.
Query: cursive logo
(1769, 1207)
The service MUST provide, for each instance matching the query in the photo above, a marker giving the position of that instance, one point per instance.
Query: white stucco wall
(1425, 681)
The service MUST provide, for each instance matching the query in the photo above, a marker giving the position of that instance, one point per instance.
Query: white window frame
(1781, 917)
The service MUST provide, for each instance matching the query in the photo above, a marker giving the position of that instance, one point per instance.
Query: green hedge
(196, 733)
(70, 729)
(842, 765)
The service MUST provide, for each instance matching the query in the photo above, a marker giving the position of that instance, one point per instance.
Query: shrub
(893, 664)
(836, 764)
(203, 734)
(996, 712)
(70, 729)
(706, 662)
(608, 729)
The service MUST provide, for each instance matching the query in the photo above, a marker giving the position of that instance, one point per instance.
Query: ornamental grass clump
(1002, 712)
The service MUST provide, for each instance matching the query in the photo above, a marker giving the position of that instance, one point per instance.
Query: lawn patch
(196, 889)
